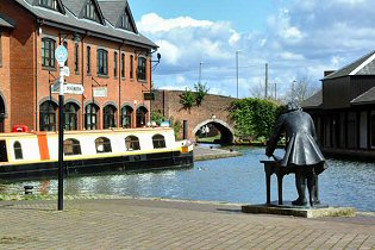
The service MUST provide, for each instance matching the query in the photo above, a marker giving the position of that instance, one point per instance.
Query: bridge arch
(227, 132)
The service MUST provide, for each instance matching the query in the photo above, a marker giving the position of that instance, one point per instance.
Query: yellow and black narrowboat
(33, 154)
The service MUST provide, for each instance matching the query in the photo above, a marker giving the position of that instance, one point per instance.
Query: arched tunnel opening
(214, 132)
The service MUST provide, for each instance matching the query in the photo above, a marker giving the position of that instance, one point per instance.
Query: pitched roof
(363, 66)
(113, 10)
(366, 98)
(315, 101)
(71, 19)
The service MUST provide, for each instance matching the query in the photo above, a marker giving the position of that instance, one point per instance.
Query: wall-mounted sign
(149, 96)
(100, 91)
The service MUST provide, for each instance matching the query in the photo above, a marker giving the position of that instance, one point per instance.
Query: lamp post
(61, 55)
(200, 71)
(237, 52)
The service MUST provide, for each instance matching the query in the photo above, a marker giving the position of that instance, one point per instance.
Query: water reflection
(239, 179)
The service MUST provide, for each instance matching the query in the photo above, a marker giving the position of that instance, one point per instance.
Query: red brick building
(107, 55)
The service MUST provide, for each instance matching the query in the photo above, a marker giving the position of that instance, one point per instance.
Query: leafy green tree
(254, 117)
(201, 91)
(187, 99)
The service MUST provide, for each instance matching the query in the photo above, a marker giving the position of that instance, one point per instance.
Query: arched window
(72, 147)
(48, 52)
(132, 143)
(71, 116)
(142, 68)
(109, 113)
(103, 145)
(158, 141)
(126, 117)
(91, 117)
(141, 116)
(17, 150)
(47, 117)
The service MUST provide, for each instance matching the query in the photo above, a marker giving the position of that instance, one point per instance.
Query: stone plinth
(306, 212)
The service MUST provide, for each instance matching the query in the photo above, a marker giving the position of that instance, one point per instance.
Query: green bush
(254, 117)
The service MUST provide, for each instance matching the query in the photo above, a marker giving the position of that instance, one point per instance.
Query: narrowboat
(33, 154)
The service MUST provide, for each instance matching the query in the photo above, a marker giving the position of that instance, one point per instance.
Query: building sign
(100, 91)
(149, 96)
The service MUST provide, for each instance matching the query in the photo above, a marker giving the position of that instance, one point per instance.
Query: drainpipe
(82, 80)
(39, 24)
(118, 73)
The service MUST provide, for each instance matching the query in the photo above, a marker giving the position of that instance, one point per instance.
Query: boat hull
(118, 164)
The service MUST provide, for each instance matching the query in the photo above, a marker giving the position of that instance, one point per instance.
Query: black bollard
(185, 129)
(28, 189)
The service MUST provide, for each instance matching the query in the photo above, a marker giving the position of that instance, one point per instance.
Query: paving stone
(126, 223)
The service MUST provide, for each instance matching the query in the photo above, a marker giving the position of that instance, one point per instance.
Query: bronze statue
(302, 151)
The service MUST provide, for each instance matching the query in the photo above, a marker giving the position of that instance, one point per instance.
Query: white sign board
(68, 88)
(73, 89)
(65, 71)
(100, 92)
(61, 54)
(55, 88)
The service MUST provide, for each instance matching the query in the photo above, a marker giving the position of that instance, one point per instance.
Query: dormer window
(90, 12)
(125, 23)
(48, 3)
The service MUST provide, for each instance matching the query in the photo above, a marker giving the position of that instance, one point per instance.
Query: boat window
(158, 141)
(72, 147)
(132, 143)
(103, 145)
(17, 150)
(3, 152)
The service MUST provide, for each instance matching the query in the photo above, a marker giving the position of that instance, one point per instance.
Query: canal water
(239, 180)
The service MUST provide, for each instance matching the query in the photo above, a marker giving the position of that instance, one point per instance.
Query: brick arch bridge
(214, 111)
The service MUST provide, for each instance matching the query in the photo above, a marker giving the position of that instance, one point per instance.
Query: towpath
(202, 153)
(125, 223)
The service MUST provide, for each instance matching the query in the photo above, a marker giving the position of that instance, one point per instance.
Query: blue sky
(299, 39)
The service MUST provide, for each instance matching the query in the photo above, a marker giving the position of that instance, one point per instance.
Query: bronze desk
(274, 167)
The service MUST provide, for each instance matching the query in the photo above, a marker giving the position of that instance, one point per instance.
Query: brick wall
(5, 77)
(21, 65)
(168, 102)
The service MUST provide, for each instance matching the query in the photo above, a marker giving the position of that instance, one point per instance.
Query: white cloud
(302, 39)
(153, 23)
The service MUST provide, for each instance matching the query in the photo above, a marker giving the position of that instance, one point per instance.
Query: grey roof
(71, 18)
(113, 10)
(366, 98)
(5, 22)
(363, 66)
(315, 101)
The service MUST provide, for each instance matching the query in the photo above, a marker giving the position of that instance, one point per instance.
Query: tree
(254, 117)
(201, 91)
(187, 99)
(302, 89)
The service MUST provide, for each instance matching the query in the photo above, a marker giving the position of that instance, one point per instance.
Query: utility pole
(237, 52)
(275, 92)
(200, 71)
(266, 83)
